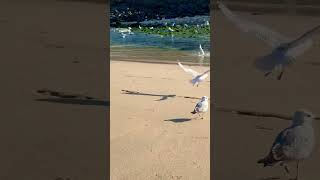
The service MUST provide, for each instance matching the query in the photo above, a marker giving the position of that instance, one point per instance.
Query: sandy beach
(153, 138)
(56, 45)
(239, 141)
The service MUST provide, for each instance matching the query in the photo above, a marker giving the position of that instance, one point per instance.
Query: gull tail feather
(267, 161)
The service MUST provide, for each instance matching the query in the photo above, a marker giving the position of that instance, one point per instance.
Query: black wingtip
(262, 161)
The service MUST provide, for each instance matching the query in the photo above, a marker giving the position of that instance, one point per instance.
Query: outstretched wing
(188, 70)
(302, 43)
(272, 38)
(206, 72)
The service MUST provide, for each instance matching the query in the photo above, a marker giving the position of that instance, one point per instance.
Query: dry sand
(153, 139)
(40, 40)
(238, 143)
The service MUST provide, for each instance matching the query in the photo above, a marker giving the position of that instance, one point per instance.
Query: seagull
(124, 30)
(123, 35)
(151, 27)
(140, 27)
(170, 29)
(207, 23)
(285, 50)
(201, 107)
(201, 53)
(197, 77)
(294, 143)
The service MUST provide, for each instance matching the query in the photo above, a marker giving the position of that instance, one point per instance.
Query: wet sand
(158, 55)
(239, 141)
(153, 138)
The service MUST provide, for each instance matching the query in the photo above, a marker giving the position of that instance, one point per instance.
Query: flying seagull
(201, 107)
(124, 30)
(197, 77)
(285, 50)
(294, 143)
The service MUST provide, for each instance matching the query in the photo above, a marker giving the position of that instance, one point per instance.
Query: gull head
(204, 98)
(129, 28)
(302, 116)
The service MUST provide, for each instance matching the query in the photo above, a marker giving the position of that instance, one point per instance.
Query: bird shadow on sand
(162, 96)
(257, 113)
(179, 120)
(69, 98)
(76, 101)
(270, 178)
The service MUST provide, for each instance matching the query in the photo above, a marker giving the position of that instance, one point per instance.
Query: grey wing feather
(302, 43)
(199, 105)
(205, 72)
(306, 36)
(282, 143)
(274, 39)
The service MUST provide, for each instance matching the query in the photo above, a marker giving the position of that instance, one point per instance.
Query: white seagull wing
(272, 38)
(188, 70)
(206, 72)
(302, 43)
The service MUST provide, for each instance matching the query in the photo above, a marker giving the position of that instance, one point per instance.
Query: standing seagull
(197, 77)
(285, 50)
(201, 107)
(201, 53)
(294, 143)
